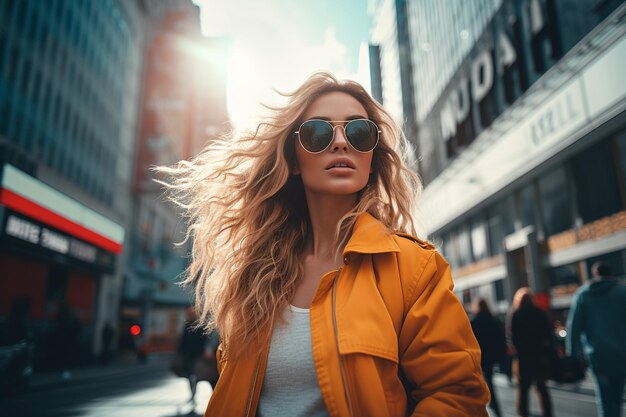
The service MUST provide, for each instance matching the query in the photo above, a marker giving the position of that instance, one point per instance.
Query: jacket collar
(369, 235)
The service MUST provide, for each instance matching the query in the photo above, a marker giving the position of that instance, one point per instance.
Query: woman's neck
(325, 211)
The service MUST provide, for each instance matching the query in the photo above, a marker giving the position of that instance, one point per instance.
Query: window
(465, 246)
(450, 249)
(596, 182)
(564, 280)
(525, 202)
(4, 115)
(499, 290)
(3, 46)
(500, 224)
(479, 239)
(621, 149)
(615, 260)
(12, 64)
(556, 202)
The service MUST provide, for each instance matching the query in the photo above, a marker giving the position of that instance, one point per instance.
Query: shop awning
(32, 198)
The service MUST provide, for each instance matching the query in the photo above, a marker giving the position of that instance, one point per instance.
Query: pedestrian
(196, 354)
(107, 342)
(18, 329)
(490, 337)
(325, 304)
(65, 340)
(597, 330)
(531, 334)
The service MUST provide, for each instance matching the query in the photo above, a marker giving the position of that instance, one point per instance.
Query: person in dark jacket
(597, 329)
(490, 336)
(65, 340)
(531, 334)
(194, 346)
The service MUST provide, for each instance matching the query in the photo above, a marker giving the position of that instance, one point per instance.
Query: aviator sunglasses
(316, 135)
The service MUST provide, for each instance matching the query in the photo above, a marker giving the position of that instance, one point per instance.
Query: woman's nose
(340, 140)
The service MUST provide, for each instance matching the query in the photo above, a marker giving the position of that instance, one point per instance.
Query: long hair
(248, 218)
(523, 297)
(480, 306)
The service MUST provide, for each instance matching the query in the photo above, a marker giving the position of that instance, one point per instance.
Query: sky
(277, 44)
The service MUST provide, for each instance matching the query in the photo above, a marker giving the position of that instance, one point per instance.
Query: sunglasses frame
(378, 132)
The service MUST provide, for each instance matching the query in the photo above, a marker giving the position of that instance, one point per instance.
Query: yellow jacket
(387, 314)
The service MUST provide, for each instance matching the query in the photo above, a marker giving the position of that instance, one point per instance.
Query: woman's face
(319, 172)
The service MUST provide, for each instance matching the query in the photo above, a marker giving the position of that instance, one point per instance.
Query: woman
(490, 336)
(324, 305)
(531, 334)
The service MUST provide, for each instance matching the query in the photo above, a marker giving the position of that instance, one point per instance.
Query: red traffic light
(135, 330)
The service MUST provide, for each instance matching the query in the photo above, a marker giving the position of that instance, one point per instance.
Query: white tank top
(290, 386)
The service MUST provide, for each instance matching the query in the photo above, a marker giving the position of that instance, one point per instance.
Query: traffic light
(135, 330)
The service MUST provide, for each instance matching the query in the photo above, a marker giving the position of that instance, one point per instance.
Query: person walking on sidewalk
(490, 336)
(531, 334)
(597, 329)
(304, 257)
(196, 354)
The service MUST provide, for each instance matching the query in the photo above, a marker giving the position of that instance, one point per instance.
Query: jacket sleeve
(439, 355)
(575, 324)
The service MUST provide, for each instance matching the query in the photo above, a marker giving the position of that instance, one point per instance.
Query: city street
(150, 390)
(147, 390)
(566, 400)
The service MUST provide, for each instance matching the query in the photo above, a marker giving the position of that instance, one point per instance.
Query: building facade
(522, 138)
(69, 77)
(183, 106)
(524, 149)
(391, 66)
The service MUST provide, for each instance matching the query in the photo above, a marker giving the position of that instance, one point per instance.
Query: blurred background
(515, 111)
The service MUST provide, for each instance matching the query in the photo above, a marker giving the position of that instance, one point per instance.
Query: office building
(69, 80)
(520, 107)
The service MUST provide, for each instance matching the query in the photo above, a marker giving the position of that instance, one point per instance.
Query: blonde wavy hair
(248, 218)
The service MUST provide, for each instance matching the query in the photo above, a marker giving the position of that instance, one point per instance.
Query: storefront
(54, 251)
(540, 194)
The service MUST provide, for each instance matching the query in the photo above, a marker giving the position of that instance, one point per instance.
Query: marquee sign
(38, 201)
(28, 231)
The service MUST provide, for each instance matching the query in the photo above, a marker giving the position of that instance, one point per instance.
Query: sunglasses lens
(315, 135)
(362, 134)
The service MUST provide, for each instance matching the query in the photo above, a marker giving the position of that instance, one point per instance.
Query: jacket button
(345, 260)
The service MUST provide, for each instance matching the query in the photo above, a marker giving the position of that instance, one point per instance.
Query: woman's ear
(296, 169)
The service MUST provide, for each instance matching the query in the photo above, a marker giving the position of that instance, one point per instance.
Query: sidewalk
(586, 386)
(117, 367)
(129, 365)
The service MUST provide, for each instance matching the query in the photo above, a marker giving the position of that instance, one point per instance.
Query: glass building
(69, 85)
(521, 115)
(441, 41)
(391, 65)
(64, 75)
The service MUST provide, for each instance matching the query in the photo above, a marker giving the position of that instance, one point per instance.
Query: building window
(615, 260)
(500, 225)
(479, 239)
(498, 287)
(594, 173)
(621, 159)
(564, 279)
(525, 202)
(450, 249)
(556, 201)
(465, 246)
